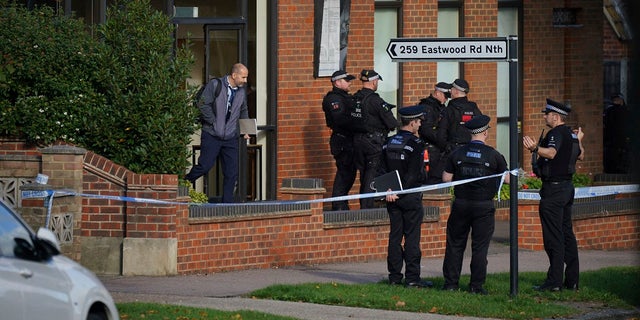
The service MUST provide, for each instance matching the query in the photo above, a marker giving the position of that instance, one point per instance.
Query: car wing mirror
(48, 240)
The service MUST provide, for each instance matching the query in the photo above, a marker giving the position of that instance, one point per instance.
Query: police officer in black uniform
(368, 145)
(451, 132)
(404, 152)
(557, 156)
(336, 112)
(472, 208)
(434, 105)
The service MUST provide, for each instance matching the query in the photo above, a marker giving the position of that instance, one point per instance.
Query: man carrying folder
(404, 152)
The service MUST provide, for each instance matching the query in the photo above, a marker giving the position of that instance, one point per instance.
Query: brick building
(569, 51)
(578, 52)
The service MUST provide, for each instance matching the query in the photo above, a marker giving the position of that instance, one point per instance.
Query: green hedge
(121, 94)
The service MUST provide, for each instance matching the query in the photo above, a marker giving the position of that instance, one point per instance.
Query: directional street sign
(448, 49)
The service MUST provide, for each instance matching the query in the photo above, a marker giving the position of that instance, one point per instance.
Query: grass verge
(154, 311)
(614, 287)
(608, 288)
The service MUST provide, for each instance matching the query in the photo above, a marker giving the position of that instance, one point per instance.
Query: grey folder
(248, 126)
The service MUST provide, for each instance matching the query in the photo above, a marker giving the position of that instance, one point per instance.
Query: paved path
(225, 291)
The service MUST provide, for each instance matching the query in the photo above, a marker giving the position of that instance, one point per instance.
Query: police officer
(557, 156)
(336, 105)
(472, 207)
(404, 152)
(368, 144)
(434, 105)
(451, 132)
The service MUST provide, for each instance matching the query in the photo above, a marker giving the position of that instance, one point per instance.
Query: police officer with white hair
(472, 208)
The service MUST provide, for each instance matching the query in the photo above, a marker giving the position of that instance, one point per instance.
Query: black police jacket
(432, 114)
(379, 116)
(563, 165)
(451, 131)
(473, 160)
(336, 105)
(404, 152)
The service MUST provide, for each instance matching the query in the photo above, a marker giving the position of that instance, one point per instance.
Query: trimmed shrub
(122, 95)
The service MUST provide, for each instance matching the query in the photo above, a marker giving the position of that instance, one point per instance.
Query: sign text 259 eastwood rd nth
(448, 49)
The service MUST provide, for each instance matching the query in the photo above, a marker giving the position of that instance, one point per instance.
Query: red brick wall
(420, 20)
(564, 64)
(106, 217)
(481, 21)
(303, 137)
(280, 239)
(293, 239)
(613, 48)
(612, 232)
(28, 159)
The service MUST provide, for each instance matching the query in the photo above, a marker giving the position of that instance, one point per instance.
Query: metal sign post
(503, 49)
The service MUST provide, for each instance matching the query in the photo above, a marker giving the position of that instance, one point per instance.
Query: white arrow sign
(448, 49)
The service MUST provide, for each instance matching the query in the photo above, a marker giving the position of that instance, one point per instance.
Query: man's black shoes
(450, 288)
(478, 290)
(420, 284)
(547, 287)
(573, 287)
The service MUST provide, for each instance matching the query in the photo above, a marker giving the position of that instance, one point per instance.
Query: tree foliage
(121, 95)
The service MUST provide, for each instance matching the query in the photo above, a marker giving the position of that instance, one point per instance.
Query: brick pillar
(63, 164)
(150, 245)
(305, 189)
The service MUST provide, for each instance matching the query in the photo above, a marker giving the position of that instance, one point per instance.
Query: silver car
(37, 282)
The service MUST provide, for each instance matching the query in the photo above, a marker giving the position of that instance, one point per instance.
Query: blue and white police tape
(413, 190)
(580, 193)
(588, 192)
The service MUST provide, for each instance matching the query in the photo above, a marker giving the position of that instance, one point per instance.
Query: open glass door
(225, 45)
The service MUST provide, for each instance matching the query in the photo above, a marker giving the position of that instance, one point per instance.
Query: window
(386, 27)
(507, 25)
(448, 27)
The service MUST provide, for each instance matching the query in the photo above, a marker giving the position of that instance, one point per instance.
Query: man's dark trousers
(556, 200)
(342, 150)
(210, 148)
(466, 215)
(405, 216)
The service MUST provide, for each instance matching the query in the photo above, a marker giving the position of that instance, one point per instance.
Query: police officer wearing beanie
(404, 152)
(434, 105)
(557, 156)
(368, 143)
(451, 130)
(336, 105)
(472, 209)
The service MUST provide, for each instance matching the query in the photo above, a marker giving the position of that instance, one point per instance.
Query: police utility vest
(463, 110)
(358, 113)
(337, 106)
(563, 165)
(397, 151)
(472, 161)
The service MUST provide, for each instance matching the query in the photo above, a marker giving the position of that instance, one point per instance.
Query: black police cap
(554, 106)
(461, 85)
(341, 74)
(478, 124)
(369, 75)
(411, 112)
